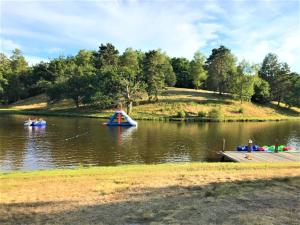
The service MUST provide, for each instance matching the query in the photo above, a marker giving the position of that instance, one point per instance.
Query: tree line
(105, 77)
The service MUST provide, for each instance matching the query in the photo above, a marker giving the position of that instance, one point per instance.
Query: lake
(69, 142)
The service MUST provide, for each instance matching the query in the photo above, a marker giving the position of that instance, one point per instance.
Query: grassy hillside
(170, 103)
(213, 193)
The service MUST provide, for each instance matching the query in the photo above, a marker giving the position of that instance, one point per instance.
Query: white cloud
(143, 25)
(32, 60)
(263, 28)
(6, 45)
(250, 29)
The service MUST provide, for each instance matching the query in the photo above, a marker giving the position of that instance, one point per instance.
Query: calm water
(69, 142)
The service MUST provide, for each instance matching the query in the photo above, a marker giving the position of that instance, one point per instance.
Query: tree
(197, 71)
(181, 68)
(155, 67)
(38, 79)
(132, 84)
(5, 71)
(278, 76)
(15, 90)
(242, 83)
(261, 91)
(79, 84)
(107, 56)
(220, 66)
(60, 69)
(170, 77)
(282, 82)
(292, 97)
(269, 72)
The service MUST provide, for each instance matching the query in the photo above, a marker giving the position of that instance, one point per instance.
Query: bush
(181, 114)
(216, 113)
(241, 110)
(202, 114)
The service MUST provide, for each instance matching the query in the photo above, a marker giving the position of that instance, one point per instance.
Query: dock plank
(262, 156)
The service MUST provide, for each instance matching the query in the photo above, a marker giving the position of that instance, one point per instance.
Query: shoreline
(167, 167)
(106, 115)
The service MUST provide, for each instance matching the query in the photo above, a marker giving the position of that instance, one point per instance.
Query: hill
(171, 102)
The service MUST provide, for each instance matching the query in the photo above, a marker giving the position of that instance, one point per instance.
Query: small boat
(35, 123)
(28, 123)
(116, 119)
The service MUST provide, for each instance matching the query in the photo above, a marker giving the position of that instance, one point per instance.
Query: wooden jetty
(237, 156)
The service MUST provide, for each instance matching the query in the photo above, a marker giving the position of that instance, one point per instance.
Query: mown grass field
(192, 193)
(170, 103)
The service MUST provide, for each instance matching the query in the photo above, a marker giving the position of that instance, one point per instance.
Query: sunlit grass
(139, 193)
(170, 103)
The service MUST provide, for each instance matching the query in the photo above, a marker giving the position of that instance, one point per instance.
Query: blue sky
(44, 29)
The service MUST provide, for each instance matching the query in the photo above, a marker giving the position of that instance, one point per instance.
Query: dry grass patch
(214, 193)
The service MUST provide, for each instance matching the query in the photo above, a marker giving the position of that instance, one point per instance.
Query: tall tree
(60, 69)
(197, 71)
(15, 90)
(79, 83)
(132, 84)
(181, 68)
(155, 67)
(269, 72)
(170, 77)
(39, 79)
(220, 66)
(5, 71)
(242, 82)
(107, 56)
(282, 82)
(292, 97)
(261, 91)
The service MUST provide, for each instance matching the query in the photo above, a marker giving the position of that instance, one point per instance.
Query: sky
(45, 29)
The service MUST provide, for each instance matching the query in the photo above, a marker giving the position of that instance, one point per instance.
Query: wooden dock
(261, 156)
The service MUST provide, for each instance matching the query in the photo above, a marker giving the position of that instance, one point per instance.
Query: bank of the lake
(196, 105)
(213, 193)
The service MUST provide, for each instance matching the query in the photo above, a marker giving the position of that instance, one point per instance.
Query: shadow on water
(272, 201)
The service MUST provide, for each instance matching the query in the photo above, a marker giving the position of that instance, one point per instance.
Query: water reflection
(122, 135)
(69, 142)
(37, 150)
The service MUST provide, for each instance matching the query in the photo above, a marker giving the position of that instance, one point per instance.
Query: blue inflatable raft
(35, 123)
(245, 148)
(116, 119)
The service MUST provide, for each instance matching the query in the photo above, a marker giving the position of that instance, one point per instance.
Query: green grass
(171, 102)
(166, 167)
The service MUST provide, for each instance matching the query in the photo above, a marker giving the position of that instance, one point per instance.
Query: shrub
(216, 113)
(181, 114)
(241, 110)
(202, 114)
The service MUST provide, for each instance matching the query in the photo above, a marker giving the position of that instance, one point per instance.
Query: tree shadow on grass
(283, 110)
(191, 101)
(274, 201)
(194, 93)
